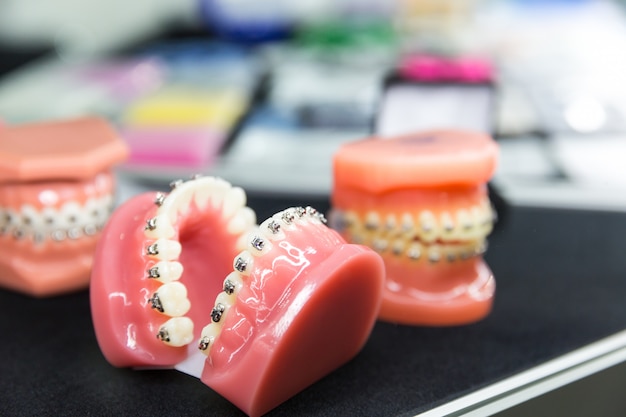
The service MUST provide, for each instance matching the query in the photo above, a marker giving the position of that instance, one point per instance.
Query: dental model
(56, 193)
(421, 202)
(188, 281)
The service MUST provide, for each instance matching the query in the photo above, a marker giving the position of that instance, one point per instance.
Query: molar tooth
(208, 335)
(177, 331)
(243, 263)
(171, 299)
(159, 227)
(165, 272)
(243, 219)
(164, 249)
(234, 199)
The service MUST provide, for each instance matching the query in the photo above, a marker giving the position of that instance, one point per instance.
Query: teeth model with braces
(56, 194)
(421, 201)
(190, 275)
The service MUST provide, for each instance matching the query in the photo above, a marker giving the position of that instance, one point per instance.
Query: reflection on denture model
(189, 273)
(56, 194)
(421, 201)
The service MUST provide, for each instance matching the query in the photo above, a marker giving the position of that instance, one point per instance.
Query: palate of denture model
(421, 201)
(187, 274)
(56, 193)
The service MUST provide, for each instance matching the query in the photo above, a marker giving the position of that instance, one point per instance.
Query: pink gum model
(421, 201)
(56, 193)
(292, 300)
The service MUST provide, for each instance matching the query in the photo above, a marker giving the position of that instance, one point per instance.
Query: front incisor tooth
(177, 331)
(234, 199)
(165, 271)
(173, 297)
(159, 227)
(164, 249)
(243, 220)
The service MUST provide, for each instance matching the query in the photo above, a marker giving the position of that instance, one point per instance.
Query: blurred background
(263, 93)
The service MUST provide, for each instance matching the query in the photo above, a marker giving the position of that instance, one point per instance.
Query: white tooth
(202, 191)
(166, 271)
(434, 253)
(243, 263)
(50, 218)
(428, 226)
(414, 251)
(380, 245)
(208, 335)
(31, 219)
(227, 300)
(372, 221)
(466, 228)
(390, 223)
(223, 302)
(243, 220)
(173, 297)
(219, 190)
(272, 229)
(242, 242)
(447, 224)
(233, 283)
(257, 243)
(234, 199)
(162, 228)
(165, 250)
(397, 247)
(287, 218)
(69, 215)
(176, 202)
(177, 331)
(407, 224)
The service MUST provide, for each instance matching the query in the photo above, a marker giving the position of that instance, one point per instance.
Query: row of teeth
(171, 297)
(164, 251)
(466, 225)
(433, 253)
(259, 242)
(71, 221)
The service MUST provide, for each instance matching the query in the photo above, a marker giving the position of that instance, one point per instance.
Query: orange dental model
(421, 202)
(56, 193)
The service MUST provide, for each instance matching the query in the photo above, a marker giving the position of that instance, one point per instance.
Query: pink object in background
(441, 69)
(190, 147)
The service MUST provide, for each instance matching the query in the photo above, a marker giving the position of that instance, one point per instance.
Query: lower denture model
(282, 290)
(421, 201)
(56, 194)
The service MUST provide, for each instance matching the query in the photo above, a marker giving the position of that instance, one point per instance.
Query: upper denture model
(268, 309)
(56, 193)
(421, 201)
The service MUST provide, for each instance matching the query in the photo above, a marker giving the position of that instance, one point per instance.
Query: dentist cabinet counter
(561, 277)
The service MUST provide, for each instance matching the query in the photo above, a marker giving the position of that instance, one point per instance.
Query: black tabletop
(561, 284)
